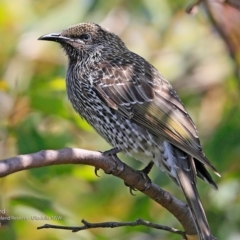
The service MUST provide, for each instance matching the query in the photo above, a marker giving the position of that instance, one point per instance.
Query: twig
(138, 222)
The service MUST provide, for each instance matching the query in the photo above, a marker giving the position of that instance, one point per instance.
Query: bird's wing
(136, 90)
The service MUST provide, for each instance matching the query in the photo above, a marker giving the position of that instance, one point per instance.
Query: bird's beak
(56, 37)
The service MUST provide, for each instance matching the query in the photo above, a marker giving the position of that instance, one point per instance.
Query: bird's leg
(145, 171)
(148, 168)
(112, 154)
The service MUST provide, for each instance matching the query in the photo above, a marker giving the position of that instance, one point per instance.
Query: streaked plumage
(134, 108)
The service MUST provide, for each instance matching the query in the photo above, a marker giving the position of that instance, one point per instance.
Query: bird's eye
(85, 37)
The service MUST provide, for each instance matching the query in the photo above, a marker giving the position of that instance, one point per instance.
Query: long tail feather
(186, 177)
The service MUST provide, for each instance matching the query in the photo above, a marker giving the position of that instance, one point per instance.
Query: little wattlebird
(134, 108)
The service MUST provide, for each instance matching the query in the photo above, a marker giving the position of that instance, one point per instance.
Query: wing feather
(142, 94)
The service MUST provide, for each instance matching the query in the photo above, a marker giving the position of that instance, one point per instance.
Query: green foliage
(35, 115)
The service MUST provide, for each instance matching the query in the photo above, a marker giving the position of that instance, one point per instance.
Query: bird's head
(86, 39)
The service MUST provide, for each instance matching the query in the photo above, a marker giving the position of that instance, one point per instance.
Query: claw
(131, 189)
(96, 171)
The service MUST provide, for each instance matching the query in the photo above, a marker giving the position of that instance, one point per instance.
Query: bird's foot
(109, 153)
(148, 181)
(119, 165)
(144, 172)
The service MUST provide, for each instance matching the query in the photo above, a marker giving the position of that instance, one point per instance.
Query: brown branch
(225, 17)
(131, 177)
(138, 222)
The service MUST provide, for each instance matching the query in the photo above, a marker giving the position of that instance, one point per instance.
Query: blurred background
(199, 54)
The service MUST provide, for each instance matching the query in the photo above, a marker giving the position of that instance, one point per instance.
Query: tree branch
(131, 177)
(138, 222)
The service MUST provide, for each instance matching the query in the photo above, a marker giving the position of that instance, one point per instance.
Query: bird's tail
(186, 178)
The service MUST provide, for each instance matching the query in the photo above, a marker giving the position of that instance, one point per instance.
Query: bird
(135, 109)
